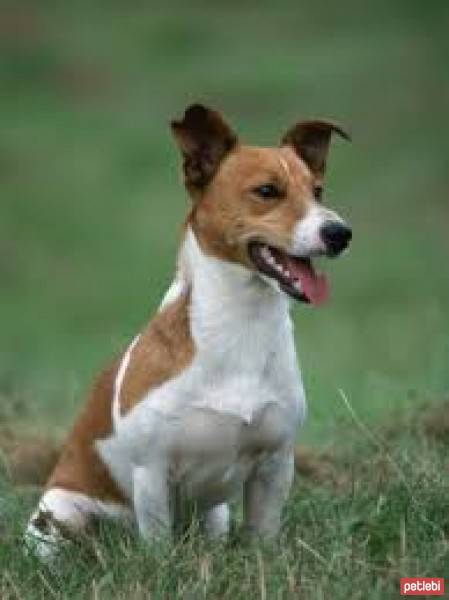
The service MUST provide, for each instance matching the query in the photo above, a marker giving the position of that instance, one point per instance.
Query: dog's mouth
(296, 275)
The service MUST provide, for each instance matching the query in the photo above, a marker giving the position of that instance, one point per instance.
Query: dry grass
(27, 459)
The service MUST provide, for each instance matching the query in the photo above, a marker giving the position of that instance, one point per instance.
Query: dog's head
(262, 207)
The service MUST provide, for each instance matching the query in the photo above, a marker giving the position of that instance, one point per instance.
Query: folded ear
(204, 140)
(311, 140)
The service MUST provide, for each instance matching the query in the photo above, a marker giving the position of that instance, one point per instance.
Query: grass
(90, 207)
(369, 512)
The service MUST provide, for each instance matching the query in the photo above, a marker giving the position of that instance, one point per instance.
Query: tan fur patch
(229, 213)
(164, 349)
(80, 468)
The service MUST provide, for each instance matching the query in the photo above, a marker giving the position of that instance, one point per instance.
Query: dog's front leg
(265, 493)
(151, 500)
(217, 521)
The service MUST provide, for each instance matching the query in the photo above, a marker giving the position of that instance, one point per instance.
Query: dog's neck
(227, 301)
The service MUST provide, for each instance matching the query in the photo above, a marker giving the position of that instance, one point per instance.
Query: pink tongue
(314, 286)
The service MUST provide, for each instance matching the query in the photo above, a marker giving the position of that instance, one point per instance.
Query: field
(90, 209)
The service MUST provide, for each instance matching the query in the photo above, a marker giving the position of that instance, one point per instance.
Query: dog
(205, 402)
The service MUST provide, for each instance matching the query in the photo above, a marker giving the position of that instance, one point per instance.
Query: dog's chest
(240, 398)
(210, 428)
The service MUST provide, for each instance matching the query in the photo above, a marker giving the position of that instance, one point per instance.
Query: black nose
(336, 237)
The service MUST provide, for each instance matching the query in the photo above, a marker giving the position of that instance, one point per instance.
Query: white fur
(179, 283)
(243, 388)
(174, 291)
(306, 239)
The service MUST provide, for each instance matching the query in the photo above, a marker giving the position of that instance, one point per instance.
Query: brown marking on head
(164, 349)
(231, 213)
(229, 208)
(80, 468)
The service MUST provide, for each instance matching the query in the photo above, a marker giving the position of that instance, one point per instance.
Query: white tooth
(265, 252)
(286, 272)
(297, 285)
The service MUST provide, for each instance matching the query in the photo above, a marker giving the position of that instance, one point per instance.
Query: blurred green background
(91, 201)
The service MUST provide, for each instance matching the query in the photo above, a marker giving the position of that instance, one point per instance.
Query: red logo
(422, 586)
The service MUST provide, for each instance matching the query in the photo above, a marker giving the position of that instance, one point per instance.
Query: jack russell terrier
(206, 400)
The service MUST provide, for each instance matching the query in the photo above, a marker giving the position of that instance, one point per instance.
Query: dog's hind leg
(63, 515)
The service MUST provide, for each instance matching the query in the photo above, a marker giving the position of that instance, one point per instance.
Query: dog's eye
(267, 191)
(318, 192)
